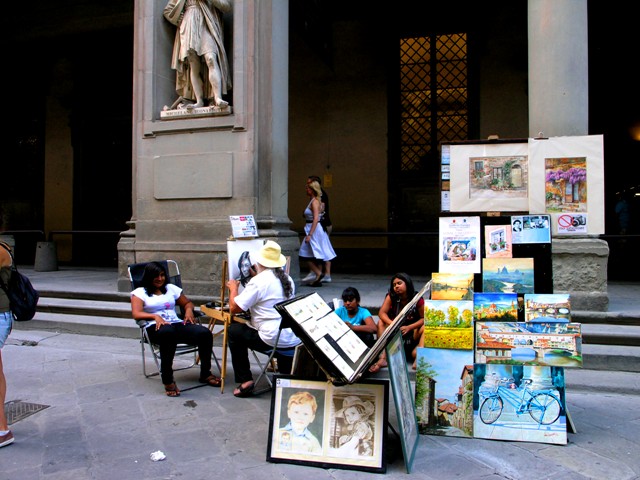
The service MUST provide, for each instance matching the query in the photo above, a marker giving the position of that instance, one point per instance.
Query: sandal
(377, 366)
(243, 392)
(212, 380)
(172, 390)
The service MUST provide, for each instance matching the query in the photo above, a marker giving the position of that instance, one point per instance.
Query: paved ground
(104, 418)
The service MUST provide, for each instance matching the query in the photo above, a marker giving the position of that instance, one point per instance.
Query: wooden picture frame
(404, 399)
(319, 424)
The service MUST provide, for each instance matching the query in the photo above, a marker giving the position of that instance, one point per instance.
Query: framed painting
(404, 399)
(319, 424)
(490, 177)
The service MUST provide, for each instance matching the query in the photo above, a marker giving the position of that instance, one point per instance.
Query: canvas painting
(507, 275)
(529, 343)
(448, 324)
(547, 308)
(495, 307)
(519, 403)
(444, 392)
(451, 286)
(497, 240)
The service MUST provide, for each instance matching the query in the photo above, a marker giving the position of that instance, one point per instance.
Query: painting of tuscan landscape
(507, 275)
(565, 185)
(444, 392)
(448, 324)
(495, 307)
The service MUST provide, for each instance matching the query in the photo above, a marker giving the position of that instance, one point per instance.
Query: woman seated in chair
(271, 285)
(155, 303)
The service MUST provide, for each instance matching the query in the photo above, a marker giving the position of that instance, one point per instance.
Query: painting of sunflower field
(448, 324)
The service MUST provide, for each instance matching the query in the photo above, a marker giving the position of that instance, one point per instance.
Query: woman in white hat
(271, 285)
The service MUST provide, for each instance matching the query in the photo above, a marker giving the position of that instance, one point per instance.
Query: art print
(318, 424)
(448, 324)
(519, 403)
(531, 229)
(557, 344)
(444, 392)
(451, 286)
(497, 241)
(507, 275)
(549, 307)
(490, 177)
(459, 242)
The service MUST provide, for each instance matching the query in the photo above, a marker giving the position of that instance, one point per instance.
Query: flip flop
(244, 391)
(212, 380)
(171, 390)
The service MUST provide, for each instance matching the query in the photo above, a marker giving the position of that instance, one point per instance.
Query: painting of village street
(529, 343)
(565, 185)
(547, 307)
(519, 403)
(498, 177)
(451, 286)
(444, 392)
(507, 275)
(448, 324)
(495, 307)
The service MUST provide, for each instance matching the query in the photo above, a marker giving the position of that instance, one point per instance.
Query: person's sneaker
(309, 278)
(6, 439)
(327, 279)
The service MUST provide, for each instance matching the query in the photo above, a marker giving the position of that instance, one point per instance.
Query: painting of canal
(556, 344)
(451, 286)
(507, 275)
(551, 307)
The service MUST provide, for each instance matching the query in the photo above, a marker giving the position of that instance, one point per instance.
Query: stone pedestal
(580, 269)
(46, 257)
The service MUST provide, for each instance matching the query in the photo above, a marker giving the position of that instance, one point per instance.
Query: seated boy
(358, 318)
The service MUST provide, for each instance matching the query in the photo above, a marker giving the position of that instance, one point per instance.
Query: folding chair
(272, 354)
(136, 272)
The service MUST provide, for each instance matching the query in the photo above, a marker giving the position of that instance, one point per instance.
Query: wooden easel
(220, 314)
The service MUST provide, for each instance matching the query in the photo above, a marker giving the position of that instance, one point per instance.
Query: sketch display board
(404, 399)
(334, 346)
(319, 424)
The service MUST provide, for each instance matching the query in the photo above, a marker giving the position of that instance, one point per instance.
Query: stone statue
(199, 58)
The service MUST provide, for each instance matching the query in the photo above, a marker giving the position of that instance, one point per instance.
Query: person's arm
(383, 313)
(138, 313)
(418, 323)
(315, 208)
(232, 285)
(368, 326)
(187, 307)
(5, 258)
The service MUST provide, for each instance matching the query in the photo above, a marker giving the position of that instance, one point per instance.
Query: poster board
(342, 426)
(333, 345)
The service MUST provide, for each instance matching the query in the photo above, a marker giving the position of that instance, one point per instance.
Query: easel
(219, 314)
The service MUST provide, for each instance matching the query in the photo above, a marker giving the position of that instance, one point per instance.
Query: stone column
(559, 106)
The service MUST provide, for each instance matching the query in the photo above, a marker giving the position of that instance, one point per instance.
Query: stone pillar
(559, 106)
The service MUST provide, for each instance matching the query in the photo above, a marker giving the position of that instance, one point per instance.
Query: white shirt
(163, 305)
(258, 297)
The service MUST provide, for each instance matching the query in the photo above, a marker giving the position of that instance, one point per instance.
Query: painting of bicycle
(519, 403)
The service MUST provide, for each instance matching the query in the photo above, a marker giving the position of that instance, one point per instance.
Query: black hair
(349, 293)
(315, 178)
(411, 291)
(151, 271)
(287, 288)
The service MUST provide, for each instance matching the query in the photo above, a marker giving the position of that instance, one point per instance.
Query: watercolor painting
(498, 177)
(451, 286)
(529, 343)
(448, 324)
(495, 307)
(565, 184)
(507, 275)
(519, 403)
(444, 392)
(497, 239)
(550, 307)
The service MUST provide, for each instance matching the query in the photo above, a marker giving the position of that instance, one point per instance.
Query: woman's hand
(307, 239)
(188, 317)
(404, 329)
(160, 321)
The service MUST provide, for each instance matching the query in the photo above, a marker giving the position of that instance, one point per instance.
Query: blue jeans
(6, 324)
